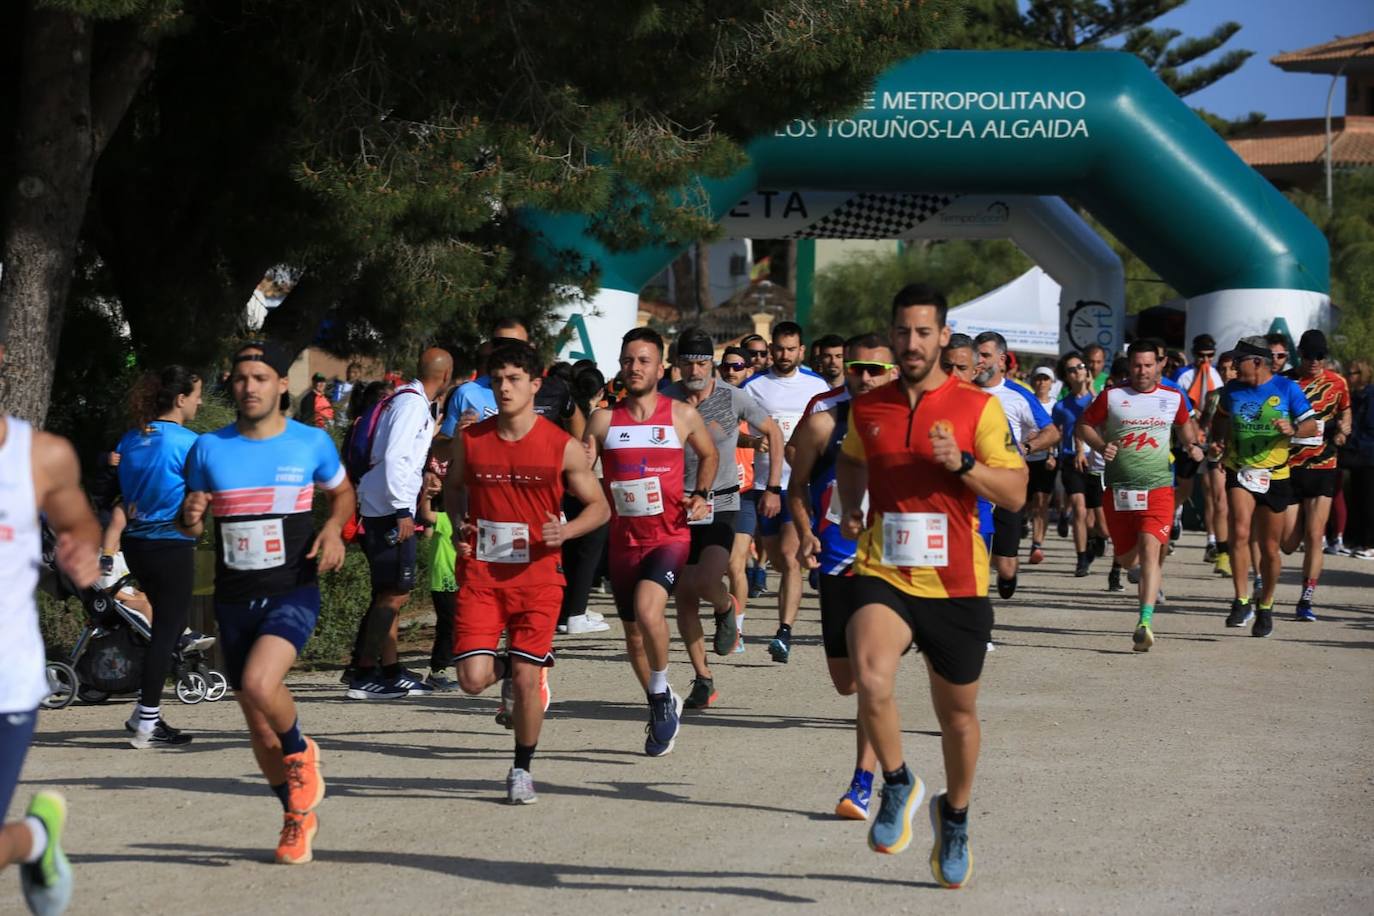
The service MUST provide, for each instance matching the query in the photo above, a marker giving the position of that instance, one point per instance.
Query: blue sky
(1267, 28)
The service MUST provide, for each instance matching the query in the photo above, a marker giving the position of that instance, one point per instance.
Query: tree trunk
(702, 253)
(63, 125)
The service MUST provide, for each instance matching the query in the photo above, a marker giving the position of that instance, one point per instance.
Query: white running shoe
(583, 623)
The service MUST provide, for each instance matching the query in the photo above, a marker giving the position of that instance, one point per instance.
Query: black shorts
(392, 565)
(1309, 483)
(1041, 477)
(1006, 532)
(952, 633)
(836, 609)
(720, 533)
(1278, 499)
(1088, 483)
(1185, 468)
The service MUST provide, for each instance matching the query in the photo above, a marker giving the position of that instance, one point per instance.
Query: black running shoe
(1064, 525)
(781, 646)
(1264, 623)
(1006, 587)
(162, 735)
(702, 693)
(1242, 612)
(1085, 562)
(1099, 546)
(1209, 554)
(1114, 580)
(1176, 531)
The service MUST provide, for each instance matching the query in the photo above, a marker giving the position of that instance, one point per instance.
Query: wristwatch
(966, 463)
(704, 494)
(776, 491)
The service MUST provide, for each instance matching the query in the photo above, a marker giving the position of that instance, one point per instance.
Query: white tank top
(23, 678)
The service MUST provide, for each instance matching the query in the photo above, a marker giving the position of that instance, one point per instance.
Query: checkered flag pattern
(876, 216)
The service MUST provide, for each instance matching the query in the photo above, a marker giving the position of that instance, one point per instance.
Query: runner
(1216, 474)
(923, 447)
(1257, 416)
(1080, 468)
(1042, 465)
(1313, 465)
(39, 473)
(259, 474)
(152, 458)
(1130, 425)
(510, 472)
(828, 359)
(640, 442)
(1032, 430)
(722, 408)
(817, 515)
(783, 392)
(473, 401)
(1199, 381)
(734, 371)
(960, 359)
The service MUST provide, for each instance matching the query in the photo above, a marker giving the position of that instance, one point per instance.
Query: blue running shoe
(891, 830)
(665, 717)
(951, 862)
(853, 804)
(1304, 613)
(781, 647)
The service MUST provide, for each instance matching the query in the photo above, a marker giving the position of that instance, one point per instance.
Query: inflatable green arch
(1099, 128)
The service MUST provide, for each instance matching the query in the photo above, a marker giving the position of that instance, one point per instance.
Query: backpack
(363, 433)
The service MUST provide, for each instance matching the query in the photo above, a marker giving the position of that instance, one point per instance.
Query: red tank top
(511, 486)
(642, 471)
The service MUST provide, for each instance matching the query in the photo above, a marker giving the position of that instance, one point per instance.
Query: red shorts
(528, 613)
(1126, 526)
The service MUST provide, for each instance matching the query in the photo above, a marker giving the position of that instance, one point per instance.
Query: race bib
(740, 467)
(787, 422)
(1256, 480)
(1130, 500)
(503, 542)
(253, 545)
(915, 539)
(636, 498)
(1318, 439)
(708, 518)
(834, 513)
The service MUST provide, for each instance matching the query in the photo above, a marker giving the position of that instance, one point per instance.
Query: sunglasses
(1076, 368)
(734, 367)
(757, 354)
(1279, 355)
(1204, 354)
(858, 367)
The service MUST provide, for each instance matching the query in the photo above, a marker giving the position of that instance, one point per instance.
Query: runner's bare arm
(1304, 430)
(772, 432)
(1092, 438)
(58, 493)
(577, 423)
(1344, 422)
(582, 483)
(597, 426)
(328, 549)
(805, 445)
(1047, 438)
(851, 482)
(688, 421)
(455, 490)
(1001, 486)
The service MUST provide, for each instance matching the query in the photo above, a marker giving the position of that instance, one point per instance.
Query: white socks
(658, 682)
(39, 842)
(146, 717)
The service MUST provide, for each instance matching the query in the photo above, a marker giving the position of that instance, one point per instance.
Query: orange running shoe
(297, 832)
(305, 784)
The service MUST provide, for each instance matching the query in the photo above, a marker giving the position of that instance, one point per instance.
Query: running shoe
(1223, 567)
(1242, 612)
(1304, 613)
(1366, 553)
(47, 883)
(781, 647)
(1114, 580)
(1037, 555)
(702, 693)
(1264, 623)
(503, 716)
(726, 629)
(1063, 524)
(853, 804)
(951, 862)
(1335, 548)
(304, 783)
(1133, 575)
(665, 718)
(440, 681)
(1209, 553)
(1176, 531)
(297, 832)
(1098, 545)
(348, 675)
(520, 787)
(162, 735)
(891, 830)
(1085, 562)
(579, 624)
(413, 683)
(739, 643)
(594, 617)
(1143, 638)
(1006, 587)
(375, 687)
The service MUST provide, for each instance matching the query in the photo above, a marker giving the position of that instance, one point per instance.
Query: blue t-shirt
(263, 492)
(475, 396)
(1255, 442)
(152, 460)
(837, 552)
(1066, 414)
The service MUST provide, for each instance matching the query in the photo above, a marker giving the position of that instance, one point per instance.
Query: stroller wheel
(62, 686)
(191, 688)
(91, 695)
(219, 686)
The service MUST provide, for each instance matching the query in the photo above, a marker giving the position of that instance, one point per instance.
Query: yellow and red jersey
(893, 439)
(1329, 396)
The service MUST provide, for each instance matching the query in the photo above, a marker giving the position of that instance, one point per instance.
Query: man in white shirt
(783, 392)
(387, 496)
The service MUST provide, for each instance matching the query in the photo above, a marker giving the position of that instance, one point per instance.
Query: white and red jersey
(642, 470)
(512, 488)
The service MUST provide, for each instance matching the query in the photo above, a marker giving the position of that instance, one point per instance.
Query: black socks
(900, 776)
(524, 754)
(951, 815)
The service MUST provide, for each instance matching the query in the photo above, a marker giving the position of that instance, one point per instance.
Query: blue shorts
(16, 731)
(291, 616)
(392, 565)
(747, 519)
(772, 527)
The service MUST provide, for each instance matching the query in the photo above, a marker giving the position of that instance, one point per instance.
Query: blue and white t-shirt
(475, 396)
(784, 399)
(1025, 414)
(263, 492)
(152, 460)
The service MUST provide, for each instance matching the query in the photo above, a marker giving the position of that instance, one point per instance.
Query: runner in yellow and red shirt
(925, 447)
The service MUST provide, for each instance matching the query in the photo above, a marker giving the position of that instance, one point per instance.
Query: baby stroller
(107, 658)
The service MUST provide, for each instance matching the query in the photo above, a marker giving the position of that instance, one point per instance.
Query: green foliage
(1349, 229)
(344, 597)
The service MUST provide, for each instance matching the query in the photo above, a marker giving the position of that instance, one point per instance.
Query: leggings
(165, 571)
(445, 607)
(581, 559)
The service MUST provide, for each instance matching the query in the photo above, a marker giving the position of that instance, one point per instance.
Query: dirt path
(1218, 773)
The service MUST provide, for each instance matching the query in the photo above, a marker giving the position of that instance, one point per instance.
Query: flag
(761, 270)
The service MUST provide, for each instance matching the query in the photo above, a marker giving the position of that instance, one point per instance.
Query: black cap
(1204, 342)
(738, 352)
(694, 344)
(318, 377)
(1313, 344)
(272, 353)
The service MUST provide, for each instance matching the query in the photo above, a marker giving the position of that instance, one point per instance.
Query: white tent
(1024, 311)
